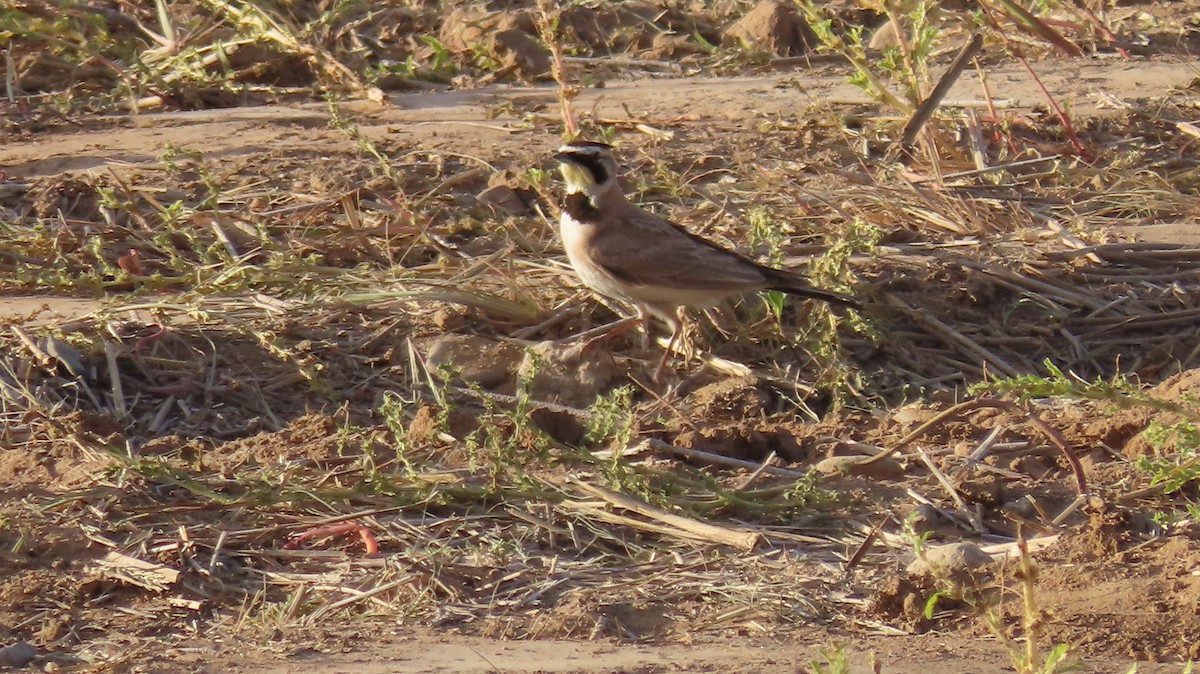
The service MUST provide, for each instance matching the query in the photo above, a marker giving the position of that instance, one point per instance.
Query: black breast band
(580, 207)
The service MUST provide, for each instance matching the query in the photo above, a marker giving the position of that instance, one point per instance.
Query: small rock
(734, 440)
(478, 359)
(952, 559)
(448, 318)
(884, 36)
(521, 52)
(862, 466)
(1022, 507)
(667, 45)
(503, 198)
(986, 491)
(1029, 465)
(963, 449)
(774, 26)
(913, 604)
(1093, 459)
(424, 426)
(18, 654)
(912, 415)
(466, 27)
(923, 517)
(567, 374)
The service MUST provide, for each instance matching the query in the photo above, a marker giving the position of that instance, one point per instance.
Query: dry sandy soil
(1114, 582)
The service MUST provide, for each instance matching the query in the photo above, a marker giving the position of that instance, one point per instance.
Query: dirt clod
(507, 36)
(567, 374)
(886, 468)
(503, 198)
(477, 359)
(773, 26)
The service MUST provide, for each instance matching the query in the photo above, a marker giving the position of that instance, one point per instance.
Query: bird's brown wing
(641, 249)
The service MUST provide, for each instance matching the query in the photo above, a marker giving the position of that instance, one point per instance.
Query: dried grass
(210, 427)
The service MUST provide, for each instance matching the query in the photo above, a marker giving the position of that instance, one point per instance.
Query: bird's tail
(804, 290)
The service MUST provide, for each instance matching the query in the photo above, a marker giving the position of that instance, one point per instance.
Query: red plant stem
(1056, 438)
(987, 96)
(369, 542)
(1062, 116)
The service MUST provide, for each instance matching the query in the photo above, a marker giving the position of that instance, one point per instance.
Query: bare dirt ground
(190, 388)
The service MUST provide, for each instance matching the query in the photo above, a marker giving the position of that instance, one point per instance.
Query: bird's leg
(645, 341)
(610, 331)
(676, 323)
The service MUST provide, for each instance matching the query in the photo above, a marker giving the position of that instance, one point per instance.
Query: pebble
(884, 469)
(950, 560)
(18, 654)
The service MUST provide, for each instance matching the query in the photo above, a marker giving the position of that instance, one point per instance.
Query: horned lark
(631, 255)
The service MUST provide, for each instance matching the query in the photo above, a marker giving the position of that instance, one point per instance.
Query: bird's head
(588, 168)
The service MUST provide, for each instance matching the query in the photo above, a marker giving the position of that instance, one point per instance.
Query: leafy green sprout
(833, 660)
(612, 418)
(442, 60)
(392, 409)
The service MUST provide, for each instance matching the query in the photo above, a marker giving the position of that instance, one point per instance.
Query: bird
(626, 253)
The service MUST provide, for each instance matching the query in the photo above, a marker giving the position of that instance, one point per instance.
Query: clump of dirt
(775, 27)
(76, 198)
(1115, 595)
(577, 615)
(731, 399)
(34, 457)
(506, 36)
(900, 600)
(511, 36)
(312, 437)
(1101, 589)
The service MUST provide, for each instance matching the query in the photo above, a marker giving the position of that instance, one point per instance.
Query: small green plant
(391, 408)
(606, 133)
(854, 237)
(1174, 435)
(905, 65)
(833, 660)
(441, 61)
(546, 22)
(612, 418)
(766, 230)
(507, 441)
(832, 270)
(365, 145)
(806, 491)
(173, 158)
(1177, 463)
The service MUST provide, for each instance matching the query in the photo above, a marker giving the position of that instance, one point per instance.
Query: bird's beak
(564, 158)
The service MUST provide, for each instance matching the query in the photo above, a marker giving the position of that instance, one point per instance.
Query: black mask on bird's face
(588, 168)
